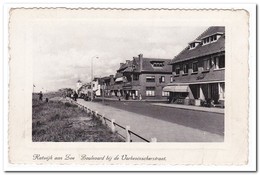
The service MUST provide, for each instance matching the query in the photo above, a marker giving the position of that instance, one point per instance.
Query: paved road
(150, 127)
(205, 121)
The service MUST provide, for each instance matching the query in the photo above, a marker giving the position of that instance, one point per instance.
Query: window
(150, 78)
(177, 70)
(213, 38)
(171, 79)
(185, 68)
(165, 94)
(192, 45)
(195, 67)
(135, 77)
(221, 62)
(195, 90)
(150, 91)
(222, 90)
(157, 64)
(206, 65)
(162, 79)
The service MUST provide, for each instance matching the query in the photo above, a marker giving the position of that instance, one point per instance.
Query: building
(106, 84)
(199, 70)
(78, 86)
(84, 89)
(142, 78)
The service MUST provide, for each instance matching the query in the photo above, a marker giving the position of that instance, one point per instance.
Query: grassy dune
(57, 121)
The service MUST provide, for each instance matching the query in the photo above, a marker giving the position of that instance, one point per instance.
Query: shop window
(177, 70)
(165, 94)
(150, 91)
(195, 89)
(195, 66)
(150, 78)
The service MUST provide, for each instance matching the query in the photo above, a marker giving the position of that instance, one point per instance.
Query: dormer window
(157, 64)
(211, 38)
(206, 41)
(194, 44)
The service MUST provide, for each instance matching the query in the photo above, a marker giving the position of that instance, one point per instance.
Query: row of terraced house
(194, 76)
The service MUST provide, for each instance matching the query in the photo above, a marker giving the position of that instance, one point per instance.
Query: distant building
(78, 85)
(85, 90)
(199, 70)
(105, 84)
(142, 78)
(96, 87)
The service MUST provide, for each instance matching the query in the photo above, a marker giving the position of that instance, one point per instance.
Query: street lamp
(92, 77)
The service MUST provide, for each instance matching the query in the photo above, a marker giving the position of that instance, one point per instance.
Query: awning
(176, 88)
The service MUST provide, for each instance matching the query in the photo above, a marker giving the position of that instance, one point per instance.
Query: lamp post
(92, 77)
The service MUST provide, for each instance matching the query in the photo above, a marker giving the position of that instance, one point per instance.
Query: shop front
(204, 94)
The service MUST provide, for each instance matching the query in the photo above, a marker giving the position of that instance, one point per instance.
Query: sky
(62, 49)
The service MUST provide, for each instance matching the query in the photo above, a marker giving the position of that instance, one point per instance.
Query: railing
(128, 137)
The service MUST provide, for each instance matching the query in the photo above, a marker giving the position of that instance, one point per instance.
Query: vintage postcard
(100, 86)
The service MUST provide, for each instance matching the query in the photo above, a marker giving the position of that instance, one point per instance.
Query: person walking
(140, 97)
(75, 96)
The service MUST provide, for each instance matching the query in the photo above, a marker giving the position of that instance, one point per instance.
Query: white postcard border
(252, 120)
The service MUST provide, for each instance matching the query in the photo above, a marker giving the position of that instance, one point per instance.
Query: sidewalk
(124, 100)
(148, 127)
(189, 107)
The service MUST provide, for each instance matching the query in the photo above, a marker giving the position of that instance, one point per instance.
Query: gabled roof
(203, 50)
(146, 65)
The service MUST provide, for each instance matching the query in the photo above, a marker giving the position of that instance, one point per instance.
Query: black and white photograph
(108, 81)
(101, 86)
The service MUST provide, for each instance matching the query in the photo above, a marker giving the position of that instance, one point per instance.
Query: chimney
(127, 61)
(121, 64)
(140, 56)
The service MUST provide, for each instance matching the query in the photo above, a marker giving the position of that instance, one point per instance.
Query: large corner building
(199, 70)
(143, 78)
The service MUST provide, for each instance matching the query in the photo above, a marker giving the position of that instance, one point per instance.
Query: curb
(189, 109)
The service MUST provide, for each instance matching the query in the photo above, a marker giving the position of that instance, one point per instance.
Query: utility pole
(92, 77)
(103, 91)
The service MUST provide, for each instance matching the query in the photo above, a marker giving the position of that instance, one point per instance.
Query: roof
(146, 65)
(203, 50)
(217, 75)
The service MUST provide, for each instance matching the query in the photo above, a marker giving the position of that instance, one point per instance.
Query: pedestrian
(140, 97)
(75, 96)
(40, 96)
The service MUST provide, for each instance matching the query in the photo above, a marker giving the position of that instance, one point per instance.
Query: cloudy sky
(62, 49)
